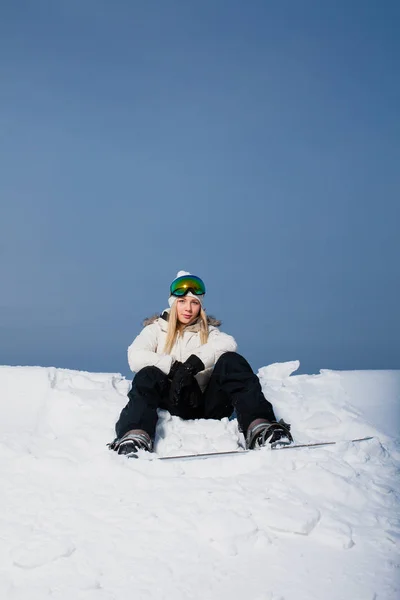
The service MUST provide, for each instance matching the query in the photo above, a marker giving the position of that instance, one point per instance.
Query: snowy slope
(79, 522)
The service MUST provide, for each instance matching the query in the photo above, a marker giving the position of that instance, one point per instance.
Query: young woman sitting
(186, 365)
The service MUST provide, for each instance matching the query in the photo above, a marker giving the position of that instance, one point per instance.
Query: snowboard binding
(131, 443)
(261, 432)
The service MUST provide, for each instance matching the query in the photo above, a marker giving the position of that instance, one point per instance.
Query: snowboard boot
(262, 432)
(131, 442)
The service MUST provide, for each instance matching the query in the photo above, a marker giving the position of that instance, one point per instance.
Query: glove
(184, 388)
(174, 369)
(194, 365)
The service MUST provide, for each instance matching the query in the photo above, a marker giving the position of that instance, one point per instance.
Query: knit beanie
(172, 299)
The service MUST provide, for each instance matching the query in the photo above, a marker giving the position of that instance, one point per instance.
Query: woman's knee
(228, 356)
(149, 378)
(148, 373)
(232, 360)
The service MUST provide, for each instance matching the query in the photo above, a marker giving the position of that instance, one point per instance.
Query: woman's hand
(174, 369)
(184, 387)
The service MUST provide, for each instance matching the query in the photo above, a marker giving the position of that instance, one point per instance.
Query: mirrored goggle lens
(183, 285)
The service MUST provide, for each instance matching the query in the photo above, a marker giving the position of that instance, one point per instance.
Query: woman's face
(188, 309)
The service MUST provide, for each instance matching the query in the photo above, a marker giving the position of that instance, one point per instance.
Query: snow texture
(78, 521)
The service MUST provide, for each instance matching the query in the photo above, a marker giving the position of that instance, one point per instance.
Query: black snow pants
(232, 387)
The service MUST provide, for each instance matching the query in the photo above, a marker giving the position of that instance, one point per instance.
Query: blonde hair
(175, 329)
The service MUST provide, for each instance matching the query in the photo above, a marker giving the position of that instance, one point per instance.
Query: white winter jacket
(147, 349)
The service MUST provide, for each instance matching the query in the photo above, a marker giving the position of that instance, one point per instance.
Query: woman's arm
(143, 351)
(218, 343)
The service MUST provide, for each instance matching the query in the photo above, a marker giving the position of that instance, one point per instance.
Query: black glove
(193, 364)
(184, 388)
(174, 369)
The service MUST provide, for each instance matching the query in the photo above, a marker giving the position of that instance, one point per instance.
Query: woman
(186, 365)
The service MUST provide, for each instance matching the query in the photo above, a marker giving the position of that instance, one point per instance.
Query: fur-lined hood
(212, 321)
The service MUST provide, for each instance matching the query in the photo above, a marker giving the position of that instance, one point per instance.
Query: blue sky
(255, 144)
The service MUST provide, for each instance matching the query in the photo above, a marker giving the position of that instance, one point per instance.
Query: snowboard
(242, 452)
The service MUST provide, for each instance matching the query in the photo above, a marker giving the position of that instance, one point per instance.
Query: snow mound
(335, 404)
(79, 521)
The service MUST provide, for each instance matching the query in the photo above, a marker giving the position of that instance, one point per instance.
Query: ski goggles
(187, 283)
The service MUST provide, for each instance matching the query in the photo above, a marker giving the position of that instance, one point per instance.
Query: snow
(78, 521)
